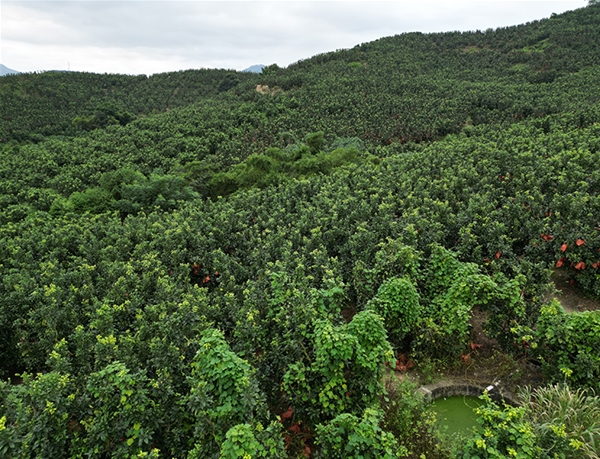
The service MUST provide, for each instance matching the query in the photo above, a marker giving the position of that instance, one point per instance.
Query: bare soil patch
(264, 89)
(570, 295)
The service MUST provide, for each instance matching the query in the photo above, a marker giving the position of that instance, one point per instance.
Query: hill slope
(381, 91)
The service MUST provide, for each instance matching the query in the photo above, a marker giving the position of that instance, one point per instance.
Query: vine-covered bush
(397, 301)
(223, 398)
(453, 289)
(345, 373)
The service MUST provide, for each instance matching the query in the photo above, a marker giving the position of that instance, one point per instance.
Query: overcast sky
(148, 37)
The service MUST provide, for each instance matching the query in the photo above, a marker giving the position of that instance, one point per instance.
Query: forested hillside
(221, 264)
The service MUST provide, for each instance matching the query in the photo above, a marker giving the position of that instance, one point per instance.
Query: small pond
(455, 414)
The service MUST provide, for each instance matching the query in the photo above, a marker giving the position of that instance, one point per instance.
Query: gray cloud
(158, 36)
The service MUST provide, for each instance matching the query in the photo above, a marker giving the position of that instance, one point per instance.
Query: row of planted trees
(262, 321)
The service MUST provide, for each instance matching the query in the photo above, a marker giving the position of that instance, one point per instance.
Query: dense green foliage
(567, 345)
(192, 265)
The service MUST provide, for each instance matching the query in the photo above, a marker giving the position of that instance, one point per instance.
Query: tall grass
(565, 419)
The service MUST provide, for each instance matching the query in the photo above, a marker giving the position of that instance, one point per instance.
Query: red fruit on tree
(475, 346)
(287, 414)
(564, 247)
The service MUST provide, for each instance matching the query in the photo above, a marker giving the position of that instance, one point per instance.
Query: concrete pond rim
(440, 389)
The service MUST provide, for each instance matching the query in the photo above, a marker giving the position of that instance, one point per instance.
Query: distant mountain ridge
(258, 68)
(4, 70)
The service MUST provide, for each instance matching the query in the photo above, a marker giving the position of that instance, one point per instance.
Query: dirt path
(570, 296)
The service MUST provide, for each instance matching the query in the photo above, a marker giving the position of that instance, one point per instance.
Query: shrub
(552, 422)
(407, 416)
(121, 421)
(247, 441)
(567, 345)
(505, 432)
(35, 416)
(350, 437)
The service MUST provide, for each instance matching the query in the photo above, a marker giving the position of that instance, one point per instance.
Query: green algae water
(455, 414)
